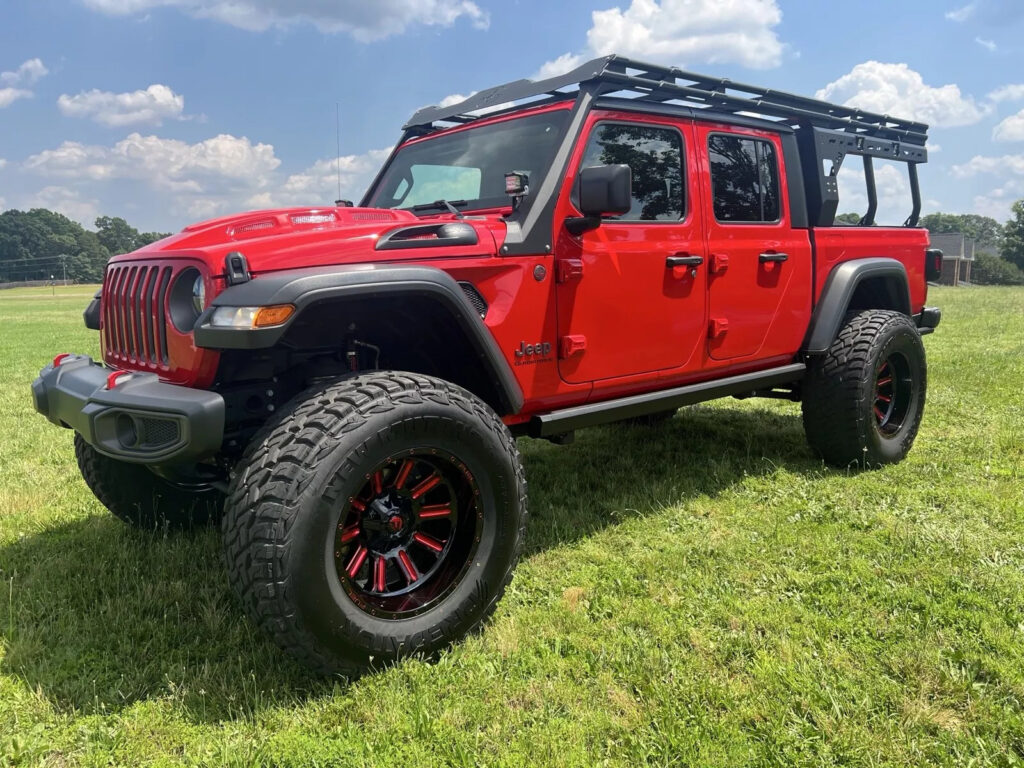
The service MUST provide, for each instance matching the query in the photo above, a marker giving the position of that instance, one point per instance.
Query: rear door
(631, 294)
(759, 267)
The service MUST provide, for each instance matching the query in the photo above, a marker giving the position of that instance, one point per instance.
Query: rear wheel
(864, 398)
(142, 499)
(379, 517)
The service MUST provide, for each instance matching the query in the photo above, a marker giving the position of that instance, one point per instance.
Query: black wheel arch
(870, 283)
(418, 313)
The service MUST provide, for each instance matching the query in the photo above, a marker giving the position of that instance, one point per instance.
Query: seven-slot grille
(134, 313)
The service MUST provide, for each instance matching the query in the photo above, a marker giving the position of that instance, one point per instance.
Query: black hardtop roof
(652, 83)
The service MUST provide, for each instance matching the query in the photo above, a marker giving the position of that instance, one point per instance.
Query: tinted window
(655, 157)
(744, 179)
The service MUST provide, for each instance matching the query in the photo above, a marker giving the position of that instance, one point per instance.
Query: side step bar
(593, 414)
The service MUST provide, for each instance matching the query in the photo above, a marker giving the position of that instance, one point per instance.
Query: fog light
(127, 434)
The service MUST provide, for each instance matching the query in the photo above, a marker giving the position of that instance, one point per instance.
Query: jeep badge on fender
(540, 349)
(349, 405)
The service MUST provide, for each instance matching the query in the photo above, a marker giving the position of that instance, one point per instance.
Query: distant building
(957, 257)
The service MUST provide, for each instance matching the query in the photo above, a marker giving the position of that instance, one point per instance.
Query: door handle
(767, 258)
(684, 261)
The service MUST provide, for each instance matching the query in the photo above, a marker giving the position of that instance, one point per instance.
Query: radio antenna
(337, 125)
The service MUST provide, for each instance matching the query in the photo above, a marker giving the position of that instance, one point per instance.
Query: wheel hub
(405, 538)
(386, 520)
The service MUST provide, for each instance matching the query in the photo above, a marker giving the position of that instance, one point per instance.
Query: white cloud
(318, 184)
(1010, 129)
(1013, 92)
(29, 73)
(10, 95)
(979, 164)
(963, 13)
(150, 106)
(165, 163)
(3, 163)
(365, 21)
(564, 63)
(1007, 182)
(454, 98)
(222, 171)
(891, 183)
(14, 81)
(898, 90)
(988, 45)
(683, 33)
(66, 201)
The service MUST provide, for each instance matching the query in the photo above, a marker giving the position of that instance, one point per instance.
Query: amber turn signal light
(275, 315)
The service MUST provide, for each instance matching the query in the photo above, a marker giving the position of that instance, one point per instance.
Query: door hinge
(571, 345)
(719, 263)
(718, 327)
(568, 269)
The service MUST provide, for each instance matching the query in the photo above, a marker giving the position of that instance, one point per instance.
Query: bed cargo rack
(825, 133)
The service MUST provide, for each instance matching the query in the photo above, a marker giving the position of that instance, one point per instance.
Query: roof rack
(653, 83)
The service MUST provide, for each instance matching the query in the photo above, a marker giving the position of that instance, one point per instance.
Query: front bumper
(139, 419)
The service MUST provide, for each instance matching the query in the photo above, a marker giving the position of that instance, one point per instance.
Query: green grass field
(701, 593)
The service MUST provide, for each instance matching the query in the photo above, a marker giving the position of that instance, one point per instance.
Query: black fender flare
(842, 282)
(307, 287)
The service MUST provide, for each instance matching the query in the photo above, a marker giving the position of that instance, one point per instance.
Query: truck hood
(292, 238)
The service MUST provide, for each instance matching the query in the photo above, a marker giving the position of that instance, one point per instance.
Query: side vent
(451, 233)
(475, 299)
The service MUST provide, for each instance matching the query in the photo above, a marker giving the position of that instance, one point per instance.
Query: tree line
(43, 245)
(998, 248)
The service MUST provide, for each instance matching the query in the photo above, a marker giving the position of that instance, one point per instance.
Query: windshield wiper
(449, 204)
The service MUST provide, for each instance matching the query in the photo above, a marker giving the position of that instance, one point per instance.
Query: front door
(631, 294)
(759, 267)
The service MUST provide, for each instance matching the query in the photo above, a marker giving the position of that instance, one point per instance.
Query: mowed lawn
(701, 593)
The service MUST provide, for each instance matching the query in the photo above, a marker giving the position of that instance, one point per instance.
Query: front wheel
(379, 517)
(137, 496)
(864, 399)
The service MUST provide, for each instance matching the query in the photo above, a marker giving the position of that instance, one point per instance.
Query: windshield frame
(477, 204)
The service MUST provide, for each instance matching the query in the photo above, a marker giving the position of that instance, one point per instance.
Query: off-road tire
(300, 473)
(840, 392)
(136, 496)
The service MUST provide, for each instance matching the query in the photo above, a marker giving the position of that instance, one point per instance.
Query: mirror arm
(577, 225)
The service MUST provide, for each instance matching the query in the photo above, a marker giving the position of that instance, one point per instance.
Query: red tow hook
(60, 359)
(113, 377)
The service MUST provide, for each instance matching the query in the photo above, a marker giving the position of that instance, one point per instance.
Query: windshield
(468, 167)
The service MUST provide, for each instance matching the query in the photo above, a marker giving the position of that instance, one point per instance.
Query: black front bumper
(140, 419)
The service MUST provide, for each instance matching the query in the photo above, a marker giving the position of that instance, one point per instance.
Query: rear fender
(874, 283)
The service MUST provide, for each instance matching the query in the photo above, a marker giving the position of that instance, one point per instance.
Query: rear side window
(655, 155)
(744, 179)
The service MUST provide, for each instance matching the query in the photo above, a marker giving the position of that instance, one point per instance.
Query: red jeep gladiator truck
(342, 387)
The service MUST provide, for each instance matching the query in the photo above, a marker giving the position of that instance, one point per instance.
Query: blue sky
(169, 111)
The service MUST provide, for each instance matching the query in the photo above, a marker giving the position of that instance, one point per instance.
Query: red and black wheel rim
(406, 539)
(894, 391)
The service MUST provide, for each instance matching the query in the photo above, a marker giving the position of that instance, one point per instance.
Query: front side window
(468, 167)
(744, 179)
(655, 157)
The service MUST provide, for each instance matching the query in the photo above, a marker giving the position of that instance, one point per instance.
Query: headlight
(250, 317)
(187, 299)
(199, 295)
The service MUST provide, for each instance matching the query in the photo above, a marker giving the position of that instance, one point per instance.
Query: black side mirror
(605, 190)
